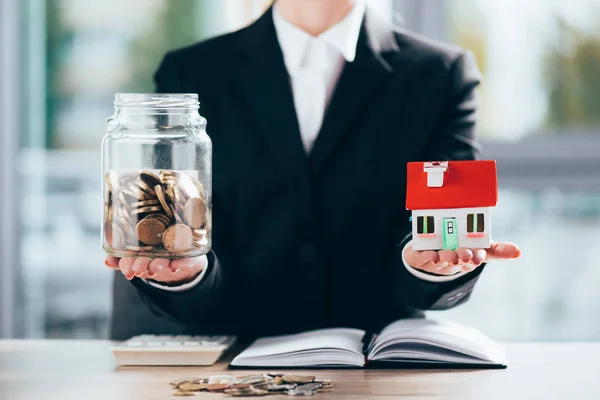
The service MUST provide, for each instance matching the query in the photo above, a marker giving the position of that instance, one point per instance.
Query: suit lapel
(357, 87)
(267, 92)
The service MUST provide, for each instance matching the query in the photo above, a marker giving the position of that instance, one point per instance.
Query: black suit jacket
(303, 242)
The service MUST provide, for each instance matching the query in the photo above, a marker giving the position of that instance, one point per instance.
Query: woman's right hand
(172, 272)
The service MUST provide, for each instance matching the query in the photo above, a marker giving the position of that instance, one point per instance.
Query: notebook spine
(367, 341)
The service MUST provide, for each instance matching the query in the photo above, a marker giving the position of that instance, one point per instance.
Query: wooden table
(65, 370)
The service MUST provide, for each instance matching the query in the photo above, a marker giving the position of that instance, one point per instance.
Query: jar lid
(157, 100)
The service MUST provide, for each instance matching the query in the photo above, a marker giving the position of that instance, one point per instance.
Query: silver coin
(280, 388)
(223, 379)
(252, 380)
(296, 392)
(309, 387)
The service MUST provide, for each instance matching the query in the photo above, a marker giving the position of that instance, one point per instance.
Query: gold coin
(216, 387)
(123, 213)
(179, 196)
(163, 218)
(177, 238)
(195, 212)
(125, 178)
(192, 386)
(199, 233)
(193, 379)
(122, 200)
(113, 235)
(134, 187)
(131, 193)
(145, 203)
(112, 179)
(163, 200)
(278, 380)
(200, 243)
(176, 215)
(168, 191)
(127, 229)
(150, 231)
(248, 392)
(150, 179)
(182, 394)
(144, 187)
(191, 186)
(297, 379)
(145, 210)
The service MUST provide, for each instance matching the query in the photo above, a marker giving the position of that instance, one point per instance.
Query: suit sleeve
(453, 138)
(175, 305)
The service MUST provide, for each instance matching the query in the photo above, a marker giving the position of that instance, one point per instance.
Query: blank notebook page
(342, 338)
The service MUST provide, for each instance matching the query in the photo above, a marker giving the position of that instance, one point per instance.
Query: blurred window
(540, 60)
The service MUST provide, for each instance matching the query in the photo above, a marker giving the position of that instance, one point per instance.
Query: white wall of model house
(436, 241)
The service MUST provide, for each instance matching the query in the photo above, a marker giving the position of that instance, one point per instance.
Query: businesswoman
(314, 111)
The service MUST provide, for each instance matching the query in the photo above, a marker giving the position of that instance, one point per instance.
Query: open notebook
(405, 343)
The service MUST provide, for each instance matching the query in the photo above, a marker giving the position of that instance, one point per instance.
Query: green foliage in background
(572, 80)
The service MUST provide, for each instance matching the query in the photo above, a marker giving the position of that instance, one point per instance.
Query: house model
(450, 203)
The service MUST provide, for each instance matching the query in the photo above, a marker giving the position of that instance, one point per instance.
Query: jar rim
(157, 100)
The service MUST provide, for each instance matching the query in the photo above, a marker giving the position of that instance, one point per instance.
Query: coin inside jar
(143, 186)
(145, 203)
(150, 230)
(195, 212)
(114, 236)
(191, 186)
(160, 195)
(176, 214)
(145, 210)
(177, 238)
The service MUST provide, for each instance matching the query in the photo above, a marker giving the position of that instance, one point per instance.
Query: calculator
(171, 350)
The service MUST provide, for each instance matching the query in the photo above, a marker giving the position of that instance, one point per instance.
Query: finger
(158, 266)
(448, 256)
(416, 258)
(464, 255)
(112, 262)
(429, 267)
(503, 250)
(439, 270)
(195, 263)
(140, 265)
(125, 265)
(479, 256)
(144, 275)
(451, 270)
(469, 267)
(181, 275)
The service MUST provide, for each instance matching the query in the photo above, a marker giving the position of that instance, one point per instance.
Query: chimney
(435, 172)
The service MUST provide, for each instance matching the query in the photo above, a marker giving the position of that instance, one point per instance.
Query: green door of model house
(450, 233)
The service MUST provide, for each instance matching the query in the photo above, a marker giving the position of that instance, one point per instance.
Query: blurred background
(61, 61)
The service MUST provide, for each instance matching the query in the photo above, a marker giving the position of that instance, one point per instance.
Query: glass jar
(157, 177)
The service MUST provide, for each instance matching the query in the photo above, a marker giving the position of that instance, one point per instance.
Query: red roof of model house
(463, 184)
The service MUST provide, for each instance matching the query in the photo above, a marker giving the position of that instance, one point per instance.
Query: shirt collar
(343, 36)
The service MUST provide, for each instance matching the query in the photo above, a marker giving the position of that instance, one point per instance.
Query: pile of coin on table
(155, 215)
(253, 385)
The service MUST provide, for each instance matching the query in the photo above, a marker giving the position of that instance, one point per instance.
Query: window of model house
(425, 225)
(475, 223)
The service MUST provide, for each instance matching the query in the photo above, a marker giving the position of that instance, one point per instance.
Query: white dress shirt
(314, 65)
